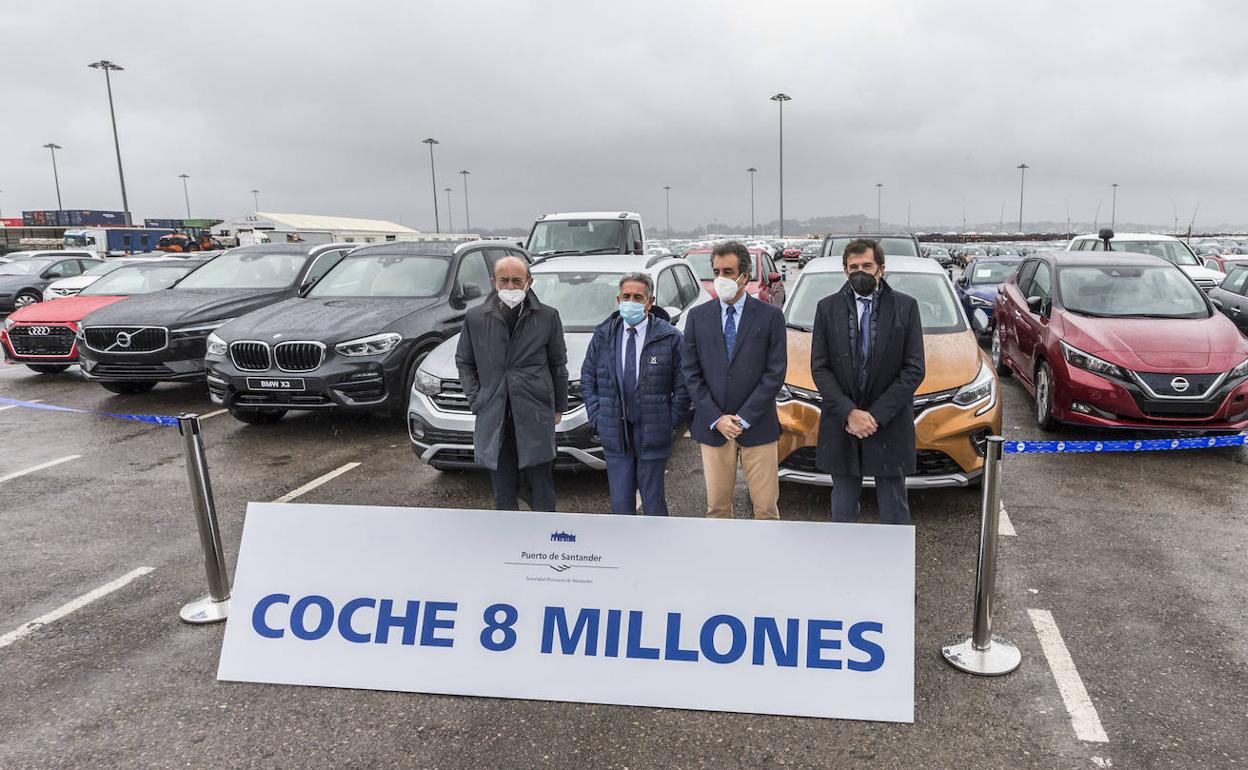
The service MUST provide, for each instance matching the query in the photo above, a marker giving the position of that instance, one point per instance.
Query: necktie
(630, 376)
(730, 330)
(864, 333)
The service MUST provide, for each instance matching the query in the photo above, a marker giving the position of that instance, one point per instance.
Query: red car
(1119, 340)
(769, 289)
(43, 336)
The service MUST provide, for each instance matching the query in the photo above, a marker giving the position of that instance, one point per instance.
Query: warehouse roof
(314, 222)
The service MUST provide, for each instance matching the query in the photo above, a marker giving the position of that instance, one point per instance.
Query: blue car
(977, 288)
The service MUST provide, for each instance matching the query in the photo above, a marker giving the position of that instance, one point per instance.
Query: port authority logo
(560, 555)
(562, 537)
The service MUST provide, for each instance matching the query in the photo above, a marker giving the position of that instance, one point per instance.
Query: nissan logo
(39, 331)
(1180, 385)
(123, 341)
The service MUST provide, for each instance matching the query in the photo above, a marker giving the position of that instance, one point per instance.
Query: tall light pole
(53, 147)
(437, 225)
(879, 196)
(1176, 216)
(1022, 174)
(1113, 211)
(667, 205)
(450, 213)
(255, 194)
(108, 66)
(185, 193)
(782, 98)
(907, 217)
(752, 171)
(467, 218)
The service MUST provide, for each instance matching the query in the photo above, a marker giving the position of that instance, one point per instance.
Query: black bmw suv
(130, 346)
(355, 338)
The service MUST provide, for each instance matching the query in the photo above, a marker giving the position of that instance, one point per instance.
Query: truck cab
(587, 232)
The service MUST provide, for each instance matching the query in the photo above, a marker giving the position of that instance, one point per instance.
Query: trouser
(627, 475)
(890, 498)
(507, 478)
(761, 467)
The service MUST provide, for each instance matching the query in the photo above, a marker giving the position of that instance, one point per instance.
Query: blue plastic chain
(1130, 445)
(150, 419)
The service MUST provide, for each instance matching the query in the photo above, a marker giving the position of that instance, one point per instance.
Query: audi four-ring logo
(1180, 384)
(123, 339)
(39, 331)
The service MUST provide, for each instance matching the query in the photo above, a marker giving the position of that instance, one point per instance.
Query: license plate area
(275, 383)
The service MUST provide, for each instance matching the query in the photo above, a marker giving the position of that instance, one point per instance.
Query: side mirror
(1036, 305)
(979, 319)
(470, 291)
(673, 314)
(306, 287)
(774, 278)
(637, 247)
(964, 281)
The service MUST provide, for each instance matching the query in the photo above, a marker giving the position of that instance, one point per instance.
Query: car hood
(174, 307)
(60, 310)
(1200, 271)
(951, 360)
(441, 362)
(1176, 345)
(986, 291)
(77, 282)
(329, 319)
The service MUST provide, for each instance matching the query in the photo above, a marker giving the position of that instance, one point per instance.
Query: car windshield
(811, 248)
(25, 267)
(384, 275)
(992, 272)
(127, 280)
(893, 247)
(583, 299)
(937, 307)
(1150, 291)
(577, 236)
(701, 262)
(1171, 251)
(247, 270)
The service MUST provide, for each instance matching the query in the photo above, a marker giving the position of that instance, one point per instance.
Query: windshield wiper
(607, 250)
(799, 327)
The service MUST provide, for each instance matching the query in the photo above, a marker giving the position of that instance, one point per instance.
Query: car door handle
(1234, 310)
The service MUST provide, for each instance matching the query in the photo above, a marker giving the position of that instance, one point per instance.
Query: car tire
(48, 368)
(1044, 398)
(994, 352)
(26, 298)
(128, 388)
(257, 416)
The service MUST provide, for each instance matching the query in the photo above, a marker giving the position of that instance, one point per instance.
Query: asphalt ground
(1137, 560)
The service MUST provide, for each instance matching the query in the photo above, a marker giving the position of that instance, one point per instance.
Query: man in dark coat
(734, 360)
(866, 356)
(635, 395)
(512, 362)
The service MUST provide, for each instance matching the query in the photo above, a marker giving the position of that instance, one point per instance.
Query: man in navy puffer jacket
(635, 395)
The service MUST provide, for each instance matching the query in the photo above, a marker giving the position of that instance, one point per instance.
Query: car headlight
(426, 383)
(1090, 363)
(984, 386)
(8, 324)
(216, 345)
(1240, 370)
(980, 302)
(369, 346)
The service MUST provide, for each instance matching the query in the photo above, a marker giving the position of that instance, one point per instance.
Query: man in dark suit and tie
(734, 362)
(866, 356)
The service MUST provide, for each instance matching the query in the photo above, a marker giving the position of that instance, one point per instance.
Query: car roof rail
(655, 259)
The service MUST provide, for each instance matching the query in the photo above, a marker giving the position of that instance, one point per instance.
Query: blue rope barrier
(150, 419)
(1129, 445)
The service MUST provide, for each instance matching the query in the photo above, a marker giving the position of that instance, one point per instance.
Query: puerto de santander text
(593, 632)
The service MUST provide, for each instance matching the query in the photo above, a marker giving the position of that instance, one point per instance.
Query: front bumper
(338, 383)
(443, 437)
(1083, 398)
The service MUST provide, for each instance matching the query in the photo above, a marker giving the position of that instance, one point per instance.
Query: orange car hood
(951, 360)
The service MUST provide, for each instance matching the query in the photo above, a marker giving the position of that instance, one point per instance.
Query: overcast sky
(583, 105)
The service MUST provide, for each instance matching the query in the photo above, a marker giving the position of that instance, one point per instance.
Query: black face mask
(862, 283)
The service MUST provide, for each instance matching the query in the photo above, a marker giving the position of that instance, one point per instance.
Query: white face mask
(511, 297)
(726, 288)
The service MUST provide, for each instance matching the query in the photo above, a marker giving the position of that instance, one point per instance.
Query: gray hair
(642, 278)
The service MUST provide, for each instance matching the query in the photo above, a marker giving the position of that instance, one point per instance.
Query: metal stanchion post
(214, 607)
(983, 653)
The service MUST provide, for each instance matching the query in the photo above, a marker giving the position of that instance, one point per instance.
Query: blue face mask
(632, 312)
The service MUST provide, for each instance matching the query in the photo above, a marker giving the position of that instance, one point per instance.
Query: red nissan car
(770, 288)
(43, 336)
(1119, 340)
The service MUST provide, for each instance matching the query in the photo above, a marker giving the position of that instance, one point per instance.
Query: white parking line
(1083, 715)
(39, 467)
(1007, 526)
(76, 604)
(314, 483)
(213, 414)
(14, 406)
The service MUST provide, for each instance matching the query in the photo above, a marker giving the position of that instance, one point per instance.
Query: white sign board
(800, 618)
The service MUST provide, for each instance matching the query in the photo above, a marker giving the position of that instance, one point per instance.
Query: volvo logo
(39, 331)
(123, 340)
(1180, 385)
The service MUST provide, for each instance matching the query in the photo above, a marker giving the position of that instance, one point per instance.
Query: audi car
(43, 336)
(583, 289)
(23, 281)
(956, 407)
(355, 338)
(1120, 340)
(162, 336)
